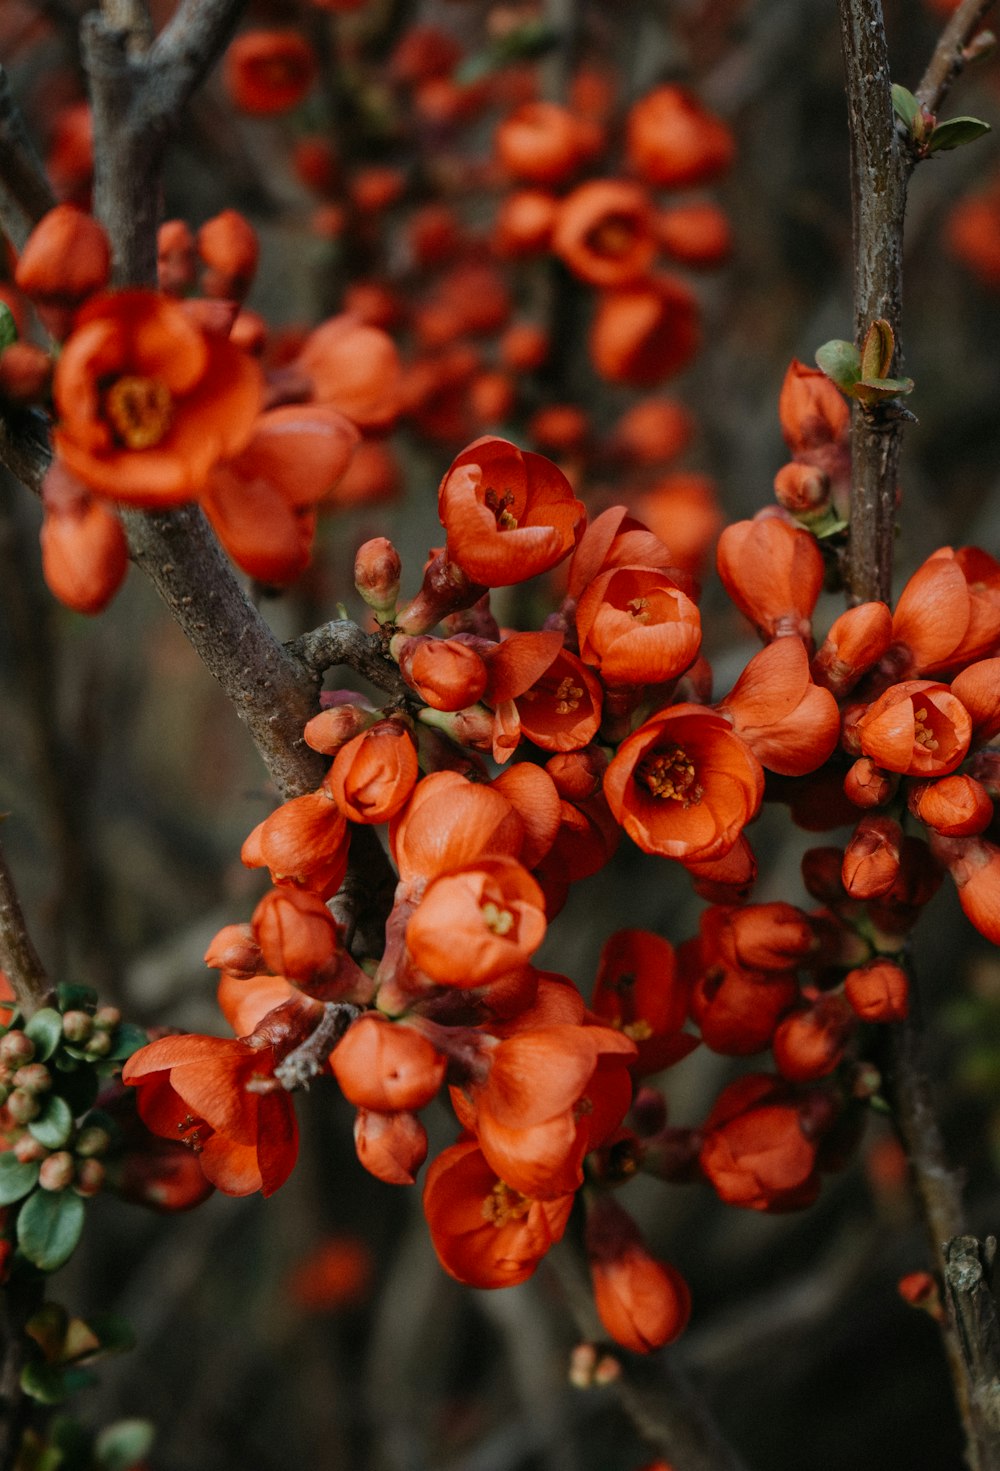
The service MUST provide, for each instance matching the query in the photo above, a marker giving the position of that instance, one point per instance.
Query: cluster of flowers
(608, 710)
(162, 400)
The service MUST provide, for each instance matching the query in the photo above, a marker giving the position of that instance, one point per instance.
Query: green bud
(34, 1077)
(57, 1171)
(92, 1141)
(99, 1045)
(89, 1177)
(23, 1106)
(106, 1018)
(77, 1026)
(16, 1048)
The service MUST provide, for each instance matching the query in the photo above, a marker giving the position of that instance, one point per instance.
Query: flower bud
(16, 1048)
(377, 570)
(34, 1077)
(866, 785)
(57, 1171)
(89, 1177)
(228, 246)
(175, 264)
(23, 1106)
(448, 674)
(107, 1018)
(99, 1045)
(879, 991)
(235, 951)
(871, 859)
(92, 1141)
(29, 1151)
(77, 1026)
(801, 489)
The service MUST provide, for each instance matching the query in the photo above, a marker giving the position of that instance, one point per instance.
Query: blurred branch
(18, 957)
(25, 193)
(949, 57)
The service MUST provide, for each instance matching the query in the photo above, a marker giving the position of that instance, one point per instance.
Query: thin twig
(972, 1307)
(342, 642)
(25, 193)
(18, 957)
(949, 58)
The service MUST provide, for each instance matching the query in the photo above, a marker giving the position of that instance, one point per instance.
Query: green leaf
(904, 104)
(51, 1383)
(874, 390)
(121, 1445)
(48, 1227)
(876, 354)
(16, 1179)
(128, 1038)
(76, 998)
(54, 1124)
(47, 1327)
(841, 362)
(8, 326)
(45, 1030)
(956, 132)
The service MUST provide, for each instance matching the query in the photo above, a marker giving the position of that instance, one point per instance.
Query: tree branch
(18, 956)
(949, 58)
(25, 193)
(343, 642)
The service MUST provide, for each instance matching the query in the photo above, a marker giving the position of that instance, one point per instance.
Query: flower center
(669, 774)
(638, 609)
(922, 732)
(504, 1205)
(500, 506)
(140, 410)
(613, 237)
(568, 696)
(499, 920)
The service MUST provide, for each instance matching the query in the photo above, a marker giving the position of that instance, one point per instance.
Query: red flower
(640, 992)
(477, 923)
(642, 1303)
(636, 626)
(790, 724)
(773, 572)
(674, 142)
(509, 514)
(684, 785)
(269, 72)
(918, 728)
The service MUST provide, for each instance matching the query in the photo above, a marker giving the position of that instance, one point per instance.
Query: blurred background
(316, 1328)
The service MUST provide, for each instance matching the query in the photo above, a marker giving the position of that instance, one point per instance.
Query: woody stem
(18, 957)
(882, 160)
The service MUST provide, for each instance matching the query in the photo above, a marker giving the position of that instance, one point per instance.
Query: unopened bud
(29, 1151)
(89, 1177)
(57, 1171)
(334, 727)
(106, 1018)
(608, 1370)
(25, 371)
(34, 1077)
(377, 570)
(802, 489)
(866, 1080)
(582, 1363)
(99, 1045)
(16, 1048)
(91, 1141)
(23, 1106)
(77, 1026)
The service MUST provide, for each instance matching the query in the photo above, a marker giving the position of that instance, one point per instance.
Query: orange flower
(871, 858)
(653, 431)
(855, 643)
(509, 514)
(642, 1303)
(532, 793)
(614, 539)
(542, 143)
(949, 612)
(385, 1066)
(221, 1097)
(550, 1094)
(683, 509)
(147, 402)
(353, 368)
(790, 724)
(918, 728)
(773, 572)
(84, 551)
(674, 142)
(772, 936)
(737, 1011)
(972, 233)
(445, 672)
(640, 992)
(811, 1040)
(304, 842)
(812, 410)
(956, 806)
(561, 711)
(450, 823)
(755, 1152)
(524, 223)
(485, 1233)
(391, 1146)
(475, 924)
(66, 258)
(684, 785)
(644, 334)
(175, 262)
(268, 72)
(373, 775)
(637, 627)
(696, 234)
(336, 1274)
(978, 688)
(295, 931)
(228, 246)
(878, 991)
(974, 864)
(604, 232)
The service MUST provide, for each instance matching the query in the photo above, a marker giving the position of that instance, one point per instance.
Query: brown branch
(18, 956)
(342, 642)
(949, 57)
(973, 1310)
(307, 1061)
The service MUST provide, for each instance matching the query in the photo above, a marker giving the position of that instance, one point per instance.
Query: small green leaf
(956, 132)
(841, 362)
(81, 1342)
(876, 354)
(54, 1124)
(16, 1179)
(128, 1038)
(874, 390)
(8, 326)
(45, 1030)
(76, 998)
(50, 1384)
(904, 104)
(48, 1227)
(121, 1445)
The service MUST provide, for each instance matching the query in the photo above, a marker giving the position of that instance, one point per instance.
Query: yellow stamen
(670, 774)
(568, 696)
(500, 921)
(500, 506)
(922, 732)
(140, 410)
(638, 609)
(504, 1205)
